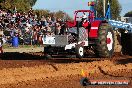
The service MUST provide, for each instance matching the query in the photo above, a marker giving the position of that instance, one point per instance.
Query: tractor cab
(83, 17)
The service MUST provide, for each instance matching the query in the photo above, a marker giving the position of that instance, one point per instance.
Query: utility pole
(104, 7)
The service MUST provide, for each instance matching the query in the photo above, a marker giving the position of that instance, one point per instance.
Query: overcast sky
(70, 6)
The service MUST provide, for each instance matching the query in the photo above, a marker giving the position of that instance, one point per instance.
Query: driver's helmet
(84, 16)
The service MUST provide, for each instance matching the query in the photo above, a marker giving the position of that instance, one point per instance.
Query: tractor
(86, 31)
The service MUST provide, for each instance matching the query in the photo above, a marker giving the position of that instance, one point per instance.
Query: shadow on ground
(40, 56)
(15, 60)
(58, 58)
(124, 61)
(20, 56)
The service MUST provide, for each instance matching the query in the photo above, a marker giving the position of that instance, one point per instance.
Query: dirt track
(30, 70)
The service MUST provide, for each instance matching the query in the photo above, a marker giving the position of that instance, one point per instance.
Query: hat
(84, 16)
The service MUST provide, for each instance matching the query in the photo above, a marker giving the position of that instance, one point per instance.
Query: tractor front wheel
(105, 41)
(79, 51)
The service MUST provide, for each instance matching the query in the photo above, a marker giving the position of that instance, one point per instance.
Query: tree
(21, 5)
(115, 8)
(1, 1)
(32, 2)
(46, 13)
(59, 14)
(41, 13)
(128, 14)
(63, 15)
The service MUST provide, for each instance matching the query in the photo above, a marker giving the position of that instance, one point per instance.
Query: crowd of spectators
(27, 26)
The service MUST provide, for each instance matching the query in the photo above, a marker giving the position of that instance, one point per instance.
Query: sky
(69, 6)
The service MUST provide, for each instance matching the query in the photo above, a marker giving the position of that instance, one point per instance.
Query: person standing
(43, 21)
(1, 41)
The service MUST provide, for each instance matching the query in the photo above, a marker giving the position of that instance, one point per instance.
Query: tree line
(25, 5)
(21, 5)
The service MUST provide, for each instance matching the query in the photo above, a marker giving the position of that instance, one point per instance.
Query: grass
(7, 46)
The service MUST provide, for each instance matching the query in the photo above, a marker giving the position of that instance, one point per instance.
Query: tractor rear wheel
(105, 41)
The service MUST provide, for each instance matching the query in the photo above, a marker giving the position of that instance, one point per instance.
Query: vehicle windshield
(82, 15)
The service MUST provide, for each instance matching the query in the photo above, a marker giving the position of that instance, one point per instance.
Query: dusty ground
(25, 49)
(30, 70)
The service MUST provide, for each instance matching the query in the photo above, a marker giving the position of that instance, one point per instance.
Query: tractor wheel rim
(109, 41)
(81, 51)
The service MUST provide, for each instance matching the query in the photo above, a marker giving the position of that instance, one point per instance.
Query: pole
(104, 7)
(96, 8)
(78, 31)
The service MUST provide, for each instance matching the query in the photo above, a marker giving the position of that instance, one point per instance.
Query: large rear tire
(105, 41)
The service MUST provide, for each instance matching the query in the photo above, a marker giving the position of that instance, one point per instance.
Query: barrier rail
(119, 24)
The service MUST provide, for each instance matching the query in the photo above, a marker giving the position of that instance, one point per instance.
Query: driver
(85, 20)
(84, 17)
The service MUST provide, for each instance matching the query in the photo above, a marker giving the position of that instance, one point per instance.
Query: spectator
(43, 21)
(58, 26)
(27, 26)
